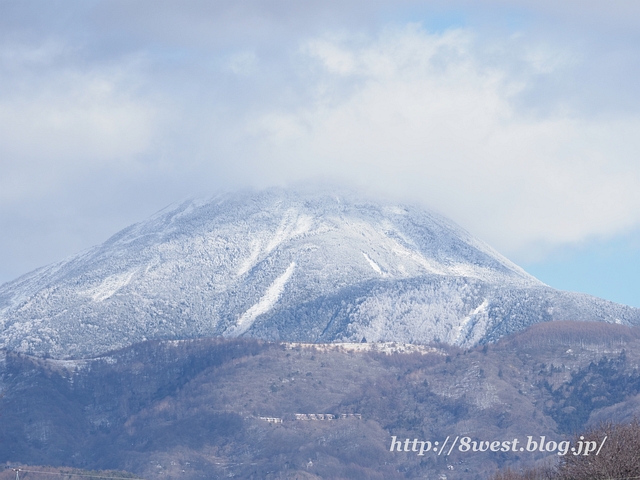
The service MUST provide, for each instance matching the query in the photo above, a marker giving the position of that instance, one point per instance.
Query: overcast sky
(520, 120)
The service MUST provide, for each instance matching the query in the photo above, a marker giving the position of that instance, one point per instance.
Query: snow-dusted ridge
(299, 266)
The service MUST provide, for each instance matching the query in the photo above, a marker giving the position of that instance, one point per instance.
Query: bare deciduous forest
(252, 409)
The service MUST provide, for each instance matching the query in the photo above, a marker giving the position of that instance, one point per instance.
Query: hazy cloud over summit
(517, 119)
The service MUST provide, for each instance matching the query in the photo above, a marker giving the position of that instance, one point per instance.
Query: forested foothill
(618, 459)
(213, 407)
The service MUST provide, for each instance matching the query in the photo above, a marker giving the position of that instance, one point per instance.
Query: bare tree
(539, 473)
(618, 458)
(612, 454)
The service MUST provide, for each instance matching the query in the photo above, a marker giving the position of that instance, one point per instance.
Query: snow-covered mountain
(304, 266)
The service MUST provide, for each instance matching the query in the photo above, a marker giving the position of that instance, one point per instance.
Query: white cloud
(432, 118)
(58, 121)
(526, 136)
(242, 63)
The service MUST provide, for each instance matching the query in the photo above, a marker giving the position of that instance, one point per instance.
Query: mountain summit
(288, 265)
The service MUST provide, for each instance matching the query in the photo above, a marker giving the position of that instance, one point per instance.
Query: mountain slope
(298, 266)
(201, 408)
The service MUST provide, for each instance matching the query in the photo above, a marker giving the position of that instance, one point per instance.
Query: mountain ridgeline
(299, 266)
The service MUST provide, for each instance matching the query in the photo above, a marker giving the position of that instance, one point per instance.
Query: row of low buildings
(326, 416)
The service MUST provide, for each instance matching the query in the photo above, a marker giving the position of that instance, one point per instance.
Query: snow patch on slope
(461, 332)
(265, 304)
(250, 261)
(414, 256)
(291, 226)
(373, 264)
(109, 286)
